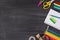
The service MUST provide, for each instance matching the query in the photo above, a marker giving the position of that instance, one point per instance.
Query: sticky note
(53, 20)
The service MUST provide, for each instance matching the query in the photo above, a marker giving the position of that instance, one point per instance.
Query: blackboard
(20, 19)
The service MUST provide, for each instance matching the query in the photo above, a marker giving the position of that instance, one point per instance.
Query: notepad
(53, 19)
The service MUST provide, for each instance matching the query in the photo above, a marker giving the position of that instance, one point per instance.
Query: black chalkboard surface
(20, 19)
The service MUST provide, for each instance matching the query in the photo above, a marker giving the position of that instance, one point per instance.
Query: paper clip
(47, 5)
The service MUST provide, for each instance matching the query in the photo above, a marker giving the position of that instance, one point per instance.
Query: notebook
(53, 19)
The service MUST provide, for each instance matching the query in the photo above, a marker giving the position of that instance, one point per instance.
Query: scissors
(47, 5)
(40, 2)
